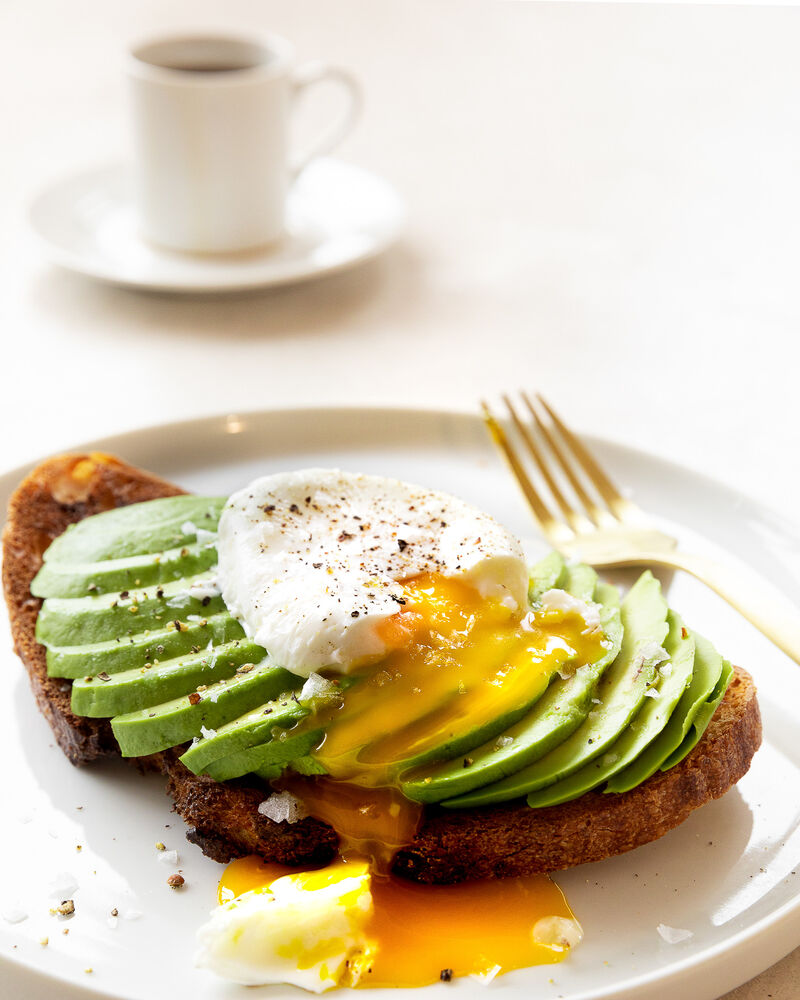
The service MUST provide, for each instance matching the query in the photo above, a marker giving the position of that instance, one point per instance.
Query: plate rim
(738, 951)
(464, 414)
(93, 267)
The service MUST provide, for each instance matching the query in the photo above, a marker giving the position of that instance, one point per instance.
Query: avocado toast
(477, 820)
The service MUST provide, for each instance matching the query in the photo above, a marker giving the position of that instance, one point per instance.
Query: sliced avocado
(619, 695)
(670, 683)
(556, 715)
(266, 728)
(182, 719)
(135, 530)
(130, 690)
(115, 655)
(62, 620)
(307, 766)
(702, 718)
(267, 757)
(59, 579)
(549, 573)
(252, 729)
(705, 676)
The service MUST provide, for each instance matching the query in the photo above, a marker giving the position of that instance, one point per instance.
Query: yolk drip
(371, 823)
(419, 933)
(463, 662)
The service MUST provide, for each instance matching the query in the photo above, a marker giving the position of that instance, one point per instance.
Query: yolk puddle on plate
(459, 663)
(473, 928)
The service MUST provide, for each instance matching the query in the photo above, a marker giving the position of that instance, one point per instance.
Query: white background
(604, 204)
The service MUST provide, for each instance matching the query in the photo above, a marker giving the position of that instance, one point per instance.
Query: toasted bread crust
(451, 845)
(59, 492)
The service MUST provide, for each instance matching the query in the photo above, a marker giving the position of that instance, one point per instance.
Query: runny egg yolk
(417, 934)
(460, 663)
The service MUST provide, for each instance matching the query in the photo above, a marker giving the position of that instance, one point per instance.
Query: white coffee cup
(211, 116)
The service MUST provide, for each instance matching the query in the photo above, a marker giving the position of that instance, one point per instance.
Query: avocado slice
(671, 681)
(702, 718)
(706, 673)
(252, 729)
(118, 654)
(267, 757)
(556, 715)
(106, 695)
(549, 573)
(619, 695)
(135, 530)
(182, 719)
(60, 579)
(111, 616)
(264, 731)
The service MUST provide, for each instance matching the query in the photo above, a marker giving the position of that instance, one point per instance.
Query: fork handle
(762, 604)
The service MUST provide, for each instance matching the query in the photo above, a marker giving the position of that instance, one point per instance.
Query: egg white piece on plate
(307, 930)
(310, 561)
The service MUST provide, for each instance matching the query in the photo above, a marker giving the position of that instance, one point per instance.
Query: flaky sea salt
(205, 588)
(63, 885)
(283, 807)
(503, 741)
(168, 857)
(560, 600)
(179, 600)
(673, 935)
(207, 733)
(319, 687)
(484, 978)
(559, 933)
(13, 913)
(651, 653)
(189, 528)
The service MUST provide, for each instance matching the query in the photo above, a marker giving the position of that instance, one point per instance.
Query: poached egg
(311, 562)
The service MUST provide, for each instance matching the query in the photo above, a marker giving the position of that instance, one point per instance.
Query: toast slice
(451, 845)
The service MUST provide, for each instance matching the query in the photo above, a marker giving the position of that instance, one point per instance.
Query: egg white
(311, 561)
(312, 938)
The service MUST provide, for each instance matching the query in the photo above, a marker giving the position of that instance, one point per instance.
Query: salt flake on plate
(484, 978)
(673, 935)
(63, 885)
(14, 913)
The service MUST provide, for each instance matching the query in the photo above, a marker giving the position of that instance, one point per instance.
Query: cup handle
(304, 78)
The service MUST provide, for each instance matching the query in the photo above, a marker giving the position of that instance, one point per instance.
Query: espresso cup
(211, 116)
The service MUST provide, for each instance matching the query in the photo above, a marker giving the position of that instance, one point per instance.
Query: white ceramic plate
(726, 874)
(338, 215)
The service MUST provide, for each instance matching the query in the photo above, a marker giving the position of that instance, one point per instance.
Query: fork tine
(600, 516)
(551, 527)
(576, 521)
(621, 506)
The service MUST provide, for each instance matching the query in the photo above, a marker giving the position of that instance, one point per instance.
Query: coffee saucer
(338, 215)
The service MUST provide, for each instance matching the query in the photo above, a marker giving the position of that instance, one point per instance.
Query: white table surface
(604, 203)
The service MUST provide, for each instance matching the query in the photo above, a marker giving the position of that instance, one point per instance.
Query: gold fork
(605, 529)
